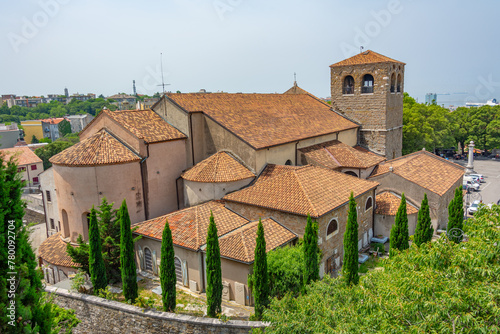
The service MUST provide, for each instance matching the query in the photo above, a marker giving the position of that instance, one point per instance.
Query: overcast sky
(245, 45)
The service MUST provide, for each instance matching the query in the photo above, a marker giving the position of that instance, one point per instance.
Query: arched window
(148, 259)
(86, 224)
(178, 269)
(348, 87)
(288, 162)
(64, 215)
(393, 82)
(367, 84)
(369, 204)
(333, 228)
(351, 173)
(399, 83)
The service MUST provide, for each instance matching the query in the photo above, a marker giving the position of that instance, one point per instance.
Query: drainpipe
(191, 136)
(296, 144)
(45, 213)
(177, 191)
(144, 174)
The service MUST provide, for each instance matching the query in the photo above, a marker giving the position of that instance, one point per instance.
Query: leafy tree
(167, 270)
(79, 254)
(350, 266)
(424, 229)
(456, 217)
(96, 263)
(311, 250)
(48, 151)
(260, 275)
(127, 258)
(214, 276)
(400, 238)
(64, 128)
(285, 268)
(34, 140)
(440, 287)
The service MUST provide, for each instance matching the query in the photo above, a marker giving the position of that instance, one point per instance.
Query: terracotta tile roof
(53, 120)
(220, 167)
(335, 154)
(145, 124)
(388, 204)
(303, 190)
(367, 57)
(425, 169)
(240, 243)
(53, 250)
(272, 170)
(296, 90)
(265, 120)
(102, 148)
(189, 226)
(23, 154)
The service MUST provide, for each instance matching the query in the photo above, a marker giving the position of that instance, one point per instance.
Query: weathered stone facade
(98, 315)
(380, 113)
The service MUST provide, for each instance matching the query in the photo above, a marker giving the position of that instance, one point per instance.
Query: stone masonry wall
(98, 315)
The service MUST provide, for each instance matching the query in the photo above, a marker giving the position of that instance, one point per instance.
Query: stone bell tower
(368, 88)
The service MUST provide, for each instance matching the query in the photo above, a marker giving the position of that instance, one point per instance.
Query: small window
(148, 259)
(399, 83)
(288, 162)
(348, 87)
(35, 180)
(333, 228)
(351, 173)
(59, 224)
(49, 199)
(21, 169)
(178, 269)
(367, 84)
(33, 167)
(393, 82)
(369, 204)
(52, 225)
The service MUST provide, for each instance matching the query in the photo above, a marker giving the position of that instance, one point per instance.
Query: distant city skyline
(244, 46)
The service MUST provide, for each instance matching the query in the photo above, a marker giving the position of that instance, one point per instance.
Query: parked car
(479, 176)
(471, 185)
(471, 178)
(473, 207)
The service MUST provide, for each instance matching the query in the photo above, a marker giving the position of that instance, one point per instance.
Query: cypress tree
(167, 270)
(400, 238)
(456, 217)
(96, 263)
(424, 229)
(109, 227)
(127, 258)
(311, 250)
(260, 274)
(350, 266)
(214, 276)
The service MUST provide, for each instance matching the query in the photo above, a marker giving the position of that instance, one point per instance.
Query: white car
(471, 185)
(479, 176)
(473, 207)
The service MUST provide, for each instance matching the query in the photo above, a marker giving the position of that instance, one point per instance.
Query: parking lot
(490, 190)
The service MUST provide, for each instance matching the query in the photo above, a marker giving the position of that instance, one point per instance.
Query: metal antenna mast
(163, 84)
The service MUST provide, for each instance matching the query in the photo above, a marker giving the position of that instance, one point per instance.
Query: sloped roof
(335, 154)
(22, 154)
(265, 120)
(53, 250)
(240, 243)
(296, 90)
(219, 167)
(388, 204)
(303, 190)
(367, 57)
(53, 120)
(425, 169)
(189, 226)
(102, 148)
(145, 124)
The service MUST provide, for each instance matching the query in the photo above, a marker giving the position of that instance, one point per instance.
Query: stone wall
(98, 315)
(32, 216)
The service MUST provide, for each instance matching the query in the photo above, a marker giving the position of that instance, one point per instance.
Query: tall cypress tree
(260, 274)
(400, 238)
(127, 258)
(109, 228)
(424, 229)
(96, 263)
(350, 266)
(456, 217)
(214, 276)
(167, 270)
(311, 250)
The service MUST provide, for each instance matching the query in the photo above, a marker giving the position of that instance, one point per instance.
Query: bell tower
(368, 88)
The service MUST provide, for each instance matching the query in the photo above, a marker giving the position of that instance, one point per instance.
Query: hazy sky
(244, 45)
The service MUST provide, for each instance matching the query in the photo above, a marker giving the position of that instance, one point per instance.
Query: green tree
(48, 151)
(167, 270)
(127, 258)
(64, 128)
(79, 254)
(96, 263)
(285, 268)
(456, 217)
(311, 250)
(424, 229)
(110, 239)
(34, 140)
(260, 275)
(214, 276)
(350, 266)
(400, 238)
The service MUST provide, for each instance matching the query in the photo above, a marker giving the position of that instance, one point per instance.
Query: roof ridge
(305, 194)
